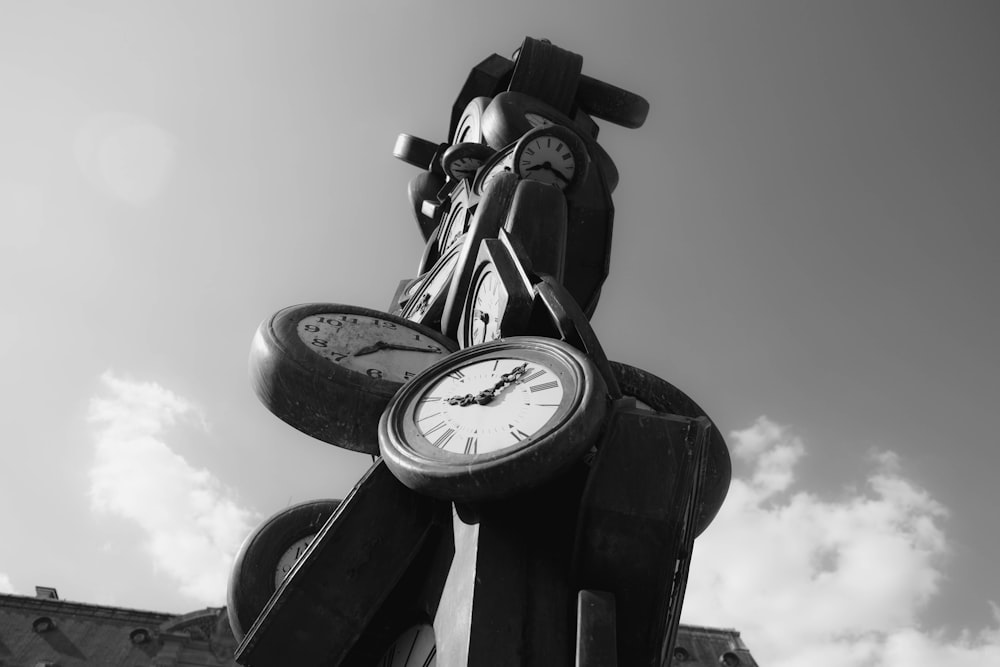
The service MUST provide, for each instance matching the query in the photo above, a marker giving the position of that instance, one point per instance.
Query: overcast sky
(805, 242)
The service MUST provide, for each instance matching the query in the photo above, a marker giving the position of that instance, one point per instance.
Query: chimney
(46, 593)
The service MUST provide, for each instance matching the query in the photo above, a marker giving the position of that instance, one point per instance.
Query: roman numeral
(444, 439)
(471, 445)
(456, 374)
(545, 385)
(528, 378)
(518, 434)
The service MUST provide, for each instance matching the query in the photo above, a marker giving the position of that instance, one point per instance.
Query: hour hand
(374, 347)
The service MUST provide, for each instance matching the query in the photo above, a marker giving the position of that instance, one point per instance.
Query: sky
(805, 242)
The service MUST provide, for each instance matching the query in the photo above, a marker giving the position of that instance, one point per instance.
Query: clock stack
(531, 502)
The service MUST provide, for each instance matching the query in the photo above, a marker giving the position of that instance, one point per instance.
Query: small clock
(463, 160)
(469, 128)
(330, 369)
(511, 115)
(486, 224)
(462, 202)
(501, 162)
(500, 296)
(427, 299)
(552, 154)
(267, 556)
(492, 420)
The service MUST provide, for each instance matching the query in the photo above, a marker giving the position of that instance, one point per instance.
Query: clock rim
(563, 440)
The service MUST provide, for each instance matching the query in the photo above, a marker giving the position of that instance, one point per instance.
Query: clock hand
(408, 348)
(487, 395)
(368, 349)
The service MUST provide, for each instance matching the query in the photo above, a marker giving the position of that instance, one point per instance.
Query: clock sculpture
(531, 502)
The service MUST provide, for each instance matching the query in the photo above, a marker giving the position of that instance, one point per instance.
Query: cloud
(193, 525)
(826, 583)
(5, 585)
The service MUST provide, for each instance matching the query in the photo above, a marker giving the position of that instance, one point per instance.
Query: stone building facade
(44, 631)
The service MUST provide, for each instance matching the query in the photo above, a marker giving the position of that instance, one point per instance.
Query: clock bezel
(564, 439)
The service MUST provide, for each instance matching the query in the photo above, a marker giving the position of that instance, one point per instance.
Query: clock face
(495, 419)
(462, 160)
(428, 298)
(551, 154)
(376, 346)
(289, 557)
(488, 405)
(486, 309)
(457, 219)
(500, 163)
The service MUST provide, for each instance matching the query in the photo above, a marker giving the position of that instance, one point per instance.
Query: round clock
(500, 296)
(552, 154)
(468, 129)
(462, 160)
(492, 420)
(656, 394)
(485, 224)
(501, 162)
(330, 369)
(267, 556)
(511, 115)
(455, 221)
(427, 300)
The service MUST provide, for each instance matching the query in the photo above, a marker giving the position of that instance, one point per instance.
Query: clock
(500, 295)
(656, 394)
(427, 298)
(469, 129)
(455, 222)
(267, 556)
(462, 160)
(511, 115)
(552, 154)
(493, 420)
(501, 162)
(330, 369)
(486, 224)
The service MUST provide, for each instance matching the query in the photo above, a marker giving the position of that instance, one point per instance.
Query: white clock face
(288, 558)
(547, 159)
(486, 308)
(458, 217)
(377, 347)
(437, 281)
(521, 398)
(414, 648)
